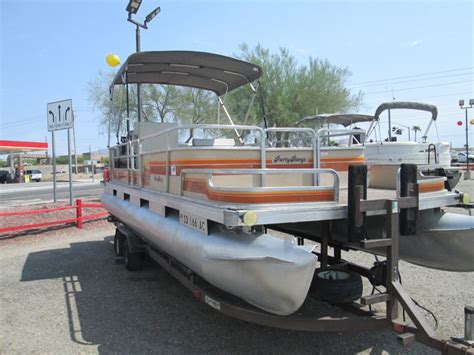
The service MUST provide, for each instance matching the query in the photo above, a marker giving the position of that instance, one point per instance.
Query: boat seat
(211, 142)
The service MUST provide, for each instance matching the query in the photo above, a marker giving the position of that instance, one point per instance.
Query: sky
(407, 50)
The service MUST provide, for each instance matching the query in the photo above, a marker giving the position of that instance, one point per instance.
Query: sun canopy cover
(345, 119)
(199, 70)
(409, 106)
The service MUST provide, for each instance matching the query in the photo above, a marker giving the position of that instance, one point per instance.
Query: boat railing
(309, 132)
(328, 132)
(262, 172)
(133, 151)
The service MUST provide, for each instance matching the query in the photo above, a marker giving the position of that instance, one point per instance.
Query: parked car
(454, 156)
(6, 177)
(462, 157)
(35, 175)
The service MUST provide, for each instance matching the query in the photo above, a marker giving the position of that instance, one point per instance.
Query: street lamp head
(471, 102)
(461, 103)
(133, 6)
(152, 14)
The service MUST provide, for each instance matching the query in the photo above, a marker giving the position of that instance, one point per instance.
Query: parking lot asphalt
(42, 192)
(65, 294)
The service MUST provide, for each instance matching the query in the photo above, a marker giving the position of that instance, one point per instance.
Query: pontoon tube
(267, 272)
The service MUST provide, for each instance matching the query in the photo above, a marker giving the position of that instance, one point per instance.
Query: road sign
(60, 115)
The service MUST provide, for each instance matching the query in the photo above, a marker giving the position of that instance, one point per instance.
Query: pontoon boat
(208, 201)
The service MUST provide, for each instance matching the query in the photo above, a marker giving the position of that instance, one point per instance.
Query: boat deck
(231, 215)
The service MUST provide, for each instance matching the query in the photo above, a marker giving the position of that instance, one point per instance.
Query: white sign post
(60, 117)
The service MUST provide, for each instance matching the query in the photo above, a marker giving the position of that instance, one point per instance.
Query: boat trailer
(401, 219)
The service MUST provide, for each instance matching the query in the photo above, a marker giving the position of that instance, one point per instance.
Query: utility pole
(467, 176)
(92, 163)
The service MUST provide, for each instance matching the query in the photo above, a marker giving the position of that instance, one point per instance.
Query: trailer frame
(400, 211)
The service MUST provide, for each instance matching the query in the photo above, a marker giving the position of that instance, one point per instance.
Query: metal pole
(74, 140)
(139, 96)
(54, 167)
(92, 164)
(389, 126)
(467, 147)
(70, 164)
(12, 163)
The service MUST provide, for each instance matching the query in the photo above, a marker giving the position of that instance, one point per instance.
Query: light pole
(406, 127)
(132, 8)
(467, 176)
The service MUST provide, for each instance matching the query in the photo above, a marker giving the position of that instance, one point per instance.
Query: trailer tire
(133, 261)
(119, 242)
(336, 285)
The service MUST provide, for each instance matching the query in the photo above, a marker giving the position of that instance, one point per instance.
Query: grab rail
(314, 139)
(131, 152)
(166, 132)
(334, 133)
(435, 153)
(211, 172)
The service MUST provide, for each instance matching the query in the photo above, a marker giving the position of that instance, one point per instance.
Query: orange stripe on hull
(432, 187)
(336, 163)
(200, 186)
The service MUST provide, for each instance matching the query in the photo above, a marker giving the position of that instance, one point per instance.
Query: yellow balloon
(112, 59)
(472, 121)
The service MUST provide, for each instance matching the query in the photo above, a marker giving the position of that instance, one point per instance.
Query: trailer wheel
(335, 285)
(119, 241)
(133, 261)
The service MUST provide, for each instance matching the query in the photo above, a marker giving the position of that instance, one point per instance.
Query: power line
(378, 102)
(420, 87)
(412, 80)
(412, 76)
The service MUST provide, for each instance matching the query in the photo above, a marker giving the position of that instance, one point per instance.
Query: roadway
(42, 192)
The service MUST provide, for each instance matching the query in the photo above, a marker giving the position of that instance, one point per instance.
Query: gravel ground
(60, 292)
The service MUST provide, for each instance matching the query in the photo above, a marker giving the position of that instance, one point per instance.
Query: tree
(194, 106)
(416, 129)
(161, 99)
(292, 91)
(115, 110)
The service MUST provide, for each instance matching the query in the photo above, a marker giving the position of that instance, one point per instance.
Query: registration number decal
(193, 221)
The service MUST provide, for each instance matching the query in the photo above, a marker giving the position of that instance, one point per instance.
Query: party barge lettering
(294, 159)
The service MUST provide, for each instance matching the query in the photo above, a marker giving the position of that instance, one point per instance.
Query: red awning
(7, 146)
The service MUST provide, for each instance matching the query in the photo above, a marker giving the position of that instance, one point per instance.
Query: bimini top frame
(347, 119)
(344, 119)
(200, 70)
(407, 105)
